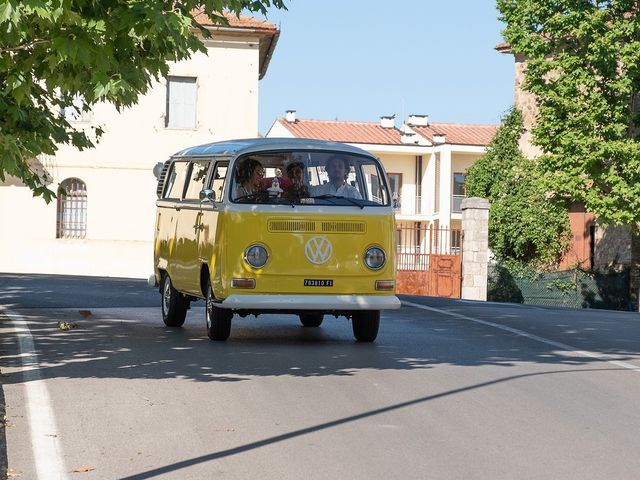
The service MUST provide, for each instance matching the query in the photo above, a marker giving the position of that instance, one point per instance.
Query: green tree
(524, 227)
(583, 66)
(55, 52)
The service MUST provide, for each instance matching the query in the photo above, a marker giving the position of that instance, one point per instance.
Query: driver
(337, 168)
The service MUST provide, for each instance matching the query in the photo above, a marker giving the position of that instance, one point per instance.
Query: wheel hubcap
(209, 308)
(166, 295)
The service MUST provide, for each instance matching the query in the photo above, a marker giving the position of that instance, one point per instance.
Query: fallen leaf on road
(83, 469)
(85, 313)
(66, 325)
(11, 473)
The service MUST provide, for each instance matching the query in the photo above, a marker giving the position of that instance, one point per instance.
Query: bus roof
(252, 145)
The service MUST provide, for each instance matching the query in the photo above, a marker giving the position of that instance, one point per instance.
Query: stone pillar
(475, 248)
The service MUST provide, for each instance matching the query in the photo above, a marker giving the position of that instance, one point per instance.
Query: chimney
(409, 138)
(290, 116)
(387, 121)
(439, 138)
(418, 120)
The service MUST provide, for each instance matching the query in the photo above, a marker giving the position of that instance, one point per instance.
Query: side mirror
(208, 195)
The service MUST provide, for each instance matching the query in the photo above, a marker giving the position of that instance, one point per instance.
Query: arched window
(72, 209)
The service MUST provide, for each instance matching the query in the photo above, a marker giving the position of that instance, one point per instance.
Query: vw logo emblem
(318, 250)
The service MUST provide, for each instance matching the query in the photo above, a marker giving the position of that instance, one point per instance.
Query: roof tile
(373, 133)
(243, 21)
(458, 133)
(343, 131)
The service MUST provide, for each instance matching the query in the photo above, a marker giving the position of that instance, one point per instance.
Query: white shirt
(344, 190)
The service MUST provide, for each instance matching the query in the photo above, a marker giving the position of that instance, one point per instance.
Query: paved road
(451, 389)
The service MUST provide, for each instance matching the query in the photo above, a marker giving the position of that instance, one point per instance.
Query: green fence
(575, 288)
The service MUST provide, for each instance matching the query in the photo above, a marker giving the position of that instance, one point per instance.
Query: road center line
(45, 444)
(521, 333)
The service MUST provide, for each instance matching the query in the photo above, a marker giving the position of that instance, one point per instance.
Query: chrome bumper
(310, 302)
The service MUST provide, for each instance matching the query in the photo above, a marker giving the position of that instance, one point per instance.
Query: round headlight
(256, 256)
(374, 258)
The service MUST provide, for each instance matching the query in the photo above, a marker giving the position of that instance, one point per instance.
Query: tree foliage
(583, 66)
(524, 228)
(53, 52)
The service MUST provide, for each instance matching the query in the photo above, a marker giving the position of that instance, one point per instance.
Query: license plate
(309, 282)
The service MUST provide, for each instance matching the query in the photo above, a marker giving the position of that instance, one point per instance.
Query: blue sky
(359, 59)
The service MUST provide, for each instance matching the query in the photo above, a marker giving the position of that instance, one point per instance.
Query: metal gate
(429, 261)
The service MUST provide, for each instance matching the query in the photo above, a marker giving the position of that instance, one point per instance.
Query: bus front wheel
(365, 325)
(218, 319)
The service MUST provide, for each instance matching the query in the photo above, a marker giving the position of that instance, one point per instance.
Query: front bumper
(310, 302)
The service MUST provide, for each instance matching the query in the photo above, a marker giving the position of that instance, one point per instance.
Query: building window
(181, 102)
(458, 192)
(395, 185)
(72, 209)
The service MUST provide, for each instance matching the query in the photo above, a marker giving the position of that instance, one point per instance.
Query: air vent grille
(344, 227)
(294, 226)
(162, 177)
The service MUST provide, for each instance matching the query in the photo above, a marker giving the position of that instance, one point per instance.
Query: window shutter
(181, 102)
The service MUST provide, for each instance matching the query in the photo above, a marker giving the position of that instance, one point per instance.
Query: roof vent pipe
(387, 121)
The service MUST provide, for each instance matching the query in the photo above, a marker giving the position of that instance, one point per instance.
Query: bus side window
(176, 180)
(219, 177)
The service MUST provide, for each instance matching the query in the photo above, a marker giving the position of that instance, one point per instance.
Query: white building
(426, 161)
(105, 225)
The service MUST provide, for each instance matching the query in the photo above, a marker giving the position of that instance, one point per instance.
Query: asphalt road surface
(450, 390)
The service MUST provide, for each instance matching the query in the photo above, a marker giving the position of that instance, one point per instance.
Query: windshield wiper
(353, 201)
(263, 197)
(251, 196)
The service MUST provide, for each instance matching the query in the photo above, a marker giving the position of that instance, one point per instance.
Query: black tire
(365, 325)
(174, 304)
(311, 319)
(218, 319)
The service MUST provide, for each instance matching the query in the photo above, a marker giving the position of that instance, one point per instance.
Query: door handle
(198, 226)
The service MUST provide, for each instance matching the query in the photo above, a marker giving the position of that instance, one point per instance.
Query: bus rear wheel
(311, 319)
(365, 325)
(218, 319)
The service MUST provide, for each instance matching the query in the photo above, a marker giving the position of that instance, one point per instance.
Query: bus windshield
(309, 178)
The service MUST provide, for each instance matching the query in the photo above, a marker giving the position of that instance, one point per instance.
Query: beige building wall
(119, 175)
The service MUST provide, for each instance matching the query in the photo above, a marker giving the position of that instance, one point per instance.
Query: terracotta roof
(343, 131)
(267, 32)
(503, 47)
(459, 133)
(243, 21)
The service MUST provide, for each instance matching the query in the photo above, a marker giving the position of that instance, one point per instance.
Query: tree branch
(24, 47)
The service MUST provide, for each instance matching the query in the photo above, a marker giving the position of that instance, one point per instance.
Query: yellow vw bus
(284, 226)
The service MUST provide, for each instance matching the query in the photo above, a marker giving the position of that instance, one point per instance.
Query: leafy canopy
(524, 228)
(583, 66)
(54, 52)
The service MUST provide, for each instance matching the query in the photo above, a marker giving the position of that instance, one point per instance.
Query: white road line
(530, 336)
(45, 443)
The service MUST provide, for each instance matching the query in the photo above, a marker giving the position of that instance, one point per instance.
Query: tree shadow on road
(118, 345)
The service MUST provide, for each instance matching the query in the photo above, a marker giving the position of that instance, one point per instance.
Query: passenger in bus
(249, 175)
(337, 168)
(295, 173)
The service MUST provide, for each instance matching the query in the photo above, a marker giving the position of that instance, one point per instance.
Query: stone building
(593, 246)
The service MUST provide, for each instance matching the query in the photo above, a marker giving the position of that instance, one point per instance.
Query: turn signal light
(243, 283)
(385, 284)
